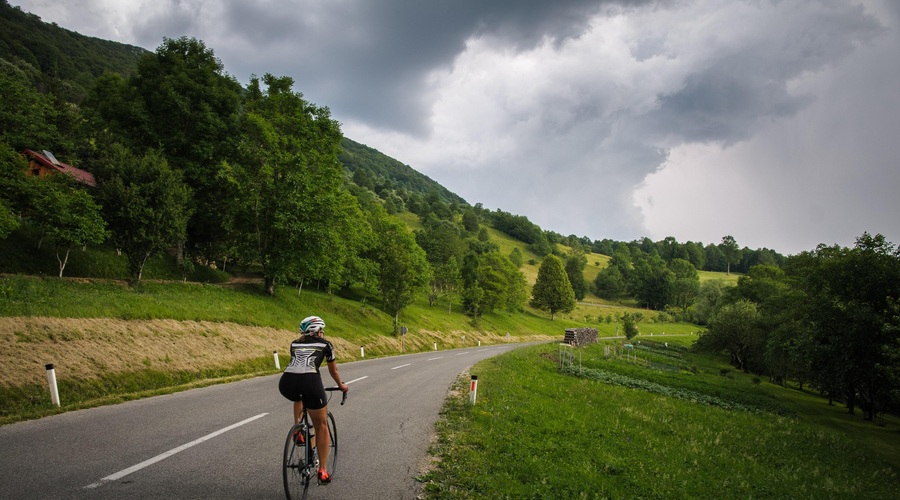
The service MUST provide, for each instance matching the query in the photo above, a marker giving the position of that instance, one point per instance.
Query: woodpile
(580, 336)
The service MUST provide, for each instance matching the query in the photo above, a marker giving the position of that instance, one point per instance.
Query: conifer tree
(552, 290)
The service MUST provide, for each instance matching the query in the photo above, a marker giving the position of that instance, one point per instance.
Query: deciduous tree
(145, 203)
(68, 216)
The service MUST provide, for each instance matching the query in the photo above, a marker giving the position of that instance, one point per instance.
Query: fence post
(277, 361)
(51, 380)
(473, 389)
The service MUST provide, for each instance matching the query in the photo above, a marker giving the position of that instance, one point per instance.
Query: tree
(735, 329)
(710, 297)
(731, 251)
(849, 307)
(470, 220)
(15, 191)
(652, 283)
(180, 101)
(145, 204)
(610, 284)
(687, 283)
(552, 290)
(402, 266)
(491, 281)
(515, 256)
(715, 259)
(444, 247)
(68, 216)
(289, 212)
(629, 328)
(27, 117)
(575, 264)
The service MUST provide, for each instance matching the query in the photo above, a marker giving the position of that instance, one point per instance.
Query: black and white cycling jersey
(307, 354)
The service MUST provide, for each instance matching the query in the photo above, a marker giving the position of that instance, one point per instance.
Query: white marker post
(473, 389)
(362, 351)
(51, 380)
(277, 362)
(435, 346)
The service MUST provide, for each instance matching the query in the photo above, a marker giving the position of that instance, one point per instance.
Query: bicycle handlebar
(336, 388)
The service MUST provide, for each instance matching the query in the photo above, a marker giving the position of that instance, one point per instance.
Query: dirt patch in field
(86, 348)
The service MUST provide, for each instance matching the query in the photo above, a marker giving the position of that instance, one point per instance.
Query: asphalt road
(226, 441)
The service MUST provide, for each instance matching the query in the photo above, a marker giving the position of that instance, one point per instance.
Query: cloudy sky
(777, 122)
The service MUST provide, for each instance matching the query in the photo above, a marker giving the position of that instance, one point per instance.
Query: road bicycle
(301, 460)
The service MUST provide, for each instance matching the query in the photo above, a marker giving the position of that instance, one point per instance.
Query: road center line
(163, 456)
(401, 366)
(356, 380)
(460, 354)
(432, 359)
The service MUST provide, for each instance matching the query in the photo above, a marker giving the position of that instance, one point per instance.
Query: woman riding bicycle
(302, 383)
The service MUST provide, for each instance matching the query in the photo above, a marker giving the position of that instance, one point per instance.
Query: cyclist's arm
(332, 369)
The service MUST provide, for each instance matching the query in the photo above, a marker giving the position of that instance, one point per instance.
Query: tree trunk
(269, 285)
(179, 253)
(62, 262)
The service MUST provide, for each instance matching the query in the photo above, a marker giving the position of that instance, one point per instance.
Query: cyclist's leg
(323, 439)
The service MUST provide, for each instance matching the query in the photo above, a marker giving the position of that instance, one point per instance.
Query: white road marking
(163, 456)
(460, 354)
(401, 366)
(432, 359)
(356, 380)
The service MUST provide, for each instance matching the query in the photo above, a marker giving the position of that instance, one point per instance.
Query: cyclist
(302, 383)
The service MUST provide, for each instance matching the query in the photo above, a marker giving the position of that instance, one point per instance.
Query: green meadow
(654, 422)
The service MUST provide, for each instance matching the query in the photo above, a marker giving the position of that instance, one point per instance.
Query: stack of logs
(580, 336)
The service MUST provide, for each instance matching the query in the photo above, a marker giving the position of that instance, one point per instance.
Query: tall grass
(535, 432)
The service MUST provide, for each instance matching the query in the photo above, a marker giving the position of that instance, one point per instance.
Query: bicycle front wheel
(332, 447)
(294, 469)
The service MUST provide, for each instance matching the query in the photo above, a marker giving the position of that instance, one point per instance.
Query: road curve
(225, 441)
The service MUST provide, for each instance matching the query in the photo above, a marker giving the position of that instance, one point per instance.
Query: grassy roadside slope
(109, 341)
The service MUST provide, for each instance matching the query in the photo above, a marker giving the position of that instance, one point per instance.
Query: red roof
(82, 176)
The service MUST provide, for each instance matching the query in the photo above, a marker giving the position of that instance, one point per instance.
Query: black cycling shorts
(306, 387)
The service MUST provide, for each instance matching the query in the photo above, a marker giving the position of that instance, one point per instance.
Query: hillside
(60, 55)
(378, 172)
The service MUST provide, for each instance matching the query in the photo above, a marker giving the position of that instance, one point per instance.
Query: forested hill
(52, 54)
(382, 174)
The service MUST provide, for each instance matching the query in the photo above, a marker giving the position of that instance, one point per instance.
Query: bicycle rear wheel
(294, 469)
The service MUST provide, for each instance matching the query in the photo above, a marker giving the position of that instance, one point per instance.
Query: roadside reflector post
(435, 346)
(473, 389)
(479, 343)
(362, 351)
(51, 380)
(277, 362)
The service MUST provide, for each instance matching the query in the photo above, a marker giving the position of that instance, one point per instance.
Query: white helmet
(312, 325)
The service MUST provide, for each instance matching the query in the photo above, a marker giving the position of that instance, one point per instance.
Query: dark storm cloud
(370, 60)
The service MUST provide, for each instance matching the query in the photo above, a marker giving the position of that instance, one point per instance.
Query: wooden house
(41, 164)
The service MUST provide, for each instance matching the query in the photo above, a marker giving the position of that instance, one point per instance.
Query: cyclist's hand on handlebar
(344, 387)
